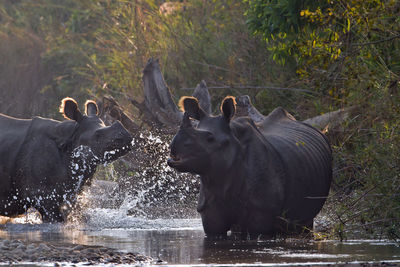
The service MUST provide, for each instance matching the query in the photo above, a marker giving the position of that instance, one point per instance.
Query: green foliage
(209, 40)
(62, 29)
(101, 47)
(279, 23)
(348, 51)
(366, 195)
(277, 18)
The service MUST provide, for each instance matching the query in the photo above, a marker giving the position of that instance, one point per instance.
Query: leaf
(348, 25)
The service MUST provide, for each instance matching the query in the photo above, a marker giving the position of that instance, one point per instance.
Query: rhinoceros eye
(187, 144)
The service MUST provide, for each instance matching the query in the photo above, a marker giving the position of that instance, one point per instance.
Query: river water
(182, 241)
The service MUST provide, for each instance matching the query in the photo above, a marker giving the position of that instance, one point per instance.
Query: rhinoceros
(266, 178)
(44, 163)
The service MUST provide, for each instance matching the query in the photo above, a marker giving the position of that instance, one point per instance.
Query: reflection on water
(182, 241)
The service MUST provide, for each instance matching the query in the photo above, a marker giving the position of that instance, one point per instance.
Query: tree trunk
(111, 111)
(158, 107)
(331, 119)
(245, 108)
(202, 94)
(158, 100)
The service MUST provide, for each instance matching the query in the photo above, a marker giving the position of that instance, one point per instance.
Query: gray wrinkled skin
(44, 163)
(257, 178)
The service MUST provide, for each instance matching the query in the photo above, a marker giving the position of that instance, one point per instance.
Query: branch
(157, 96)
(377, 42)
(110, 111)
(255, 87)
(214, 66)
(331, 119)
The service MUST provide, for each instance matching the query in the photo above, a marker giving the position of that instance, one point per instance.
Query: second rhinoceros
(44, 163)
(269, 177)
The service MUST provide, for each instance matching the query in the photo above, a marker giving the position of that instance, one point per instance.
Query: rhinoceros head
(107, 143)
(209, 145)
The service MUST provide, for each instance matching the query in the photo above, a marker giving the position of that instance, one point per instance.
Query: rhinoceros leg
(260, 223)
(10, 208)
(214, 222)
(50, 213)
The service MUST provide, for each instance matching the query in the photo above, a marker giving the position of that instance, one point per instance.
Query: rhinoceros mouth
(114, 153)
(175, 161)
(172, 160)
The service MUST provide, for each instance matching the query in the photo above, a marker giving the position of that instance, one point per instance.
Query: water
(182, 241)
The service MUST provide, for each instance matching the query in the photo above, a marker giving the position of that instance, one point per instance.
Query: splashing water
(140, 186)
(83, 162)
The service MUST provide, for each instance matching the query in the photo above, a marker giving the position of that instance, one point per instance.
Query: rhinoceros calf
(44, 163)
(265, 178)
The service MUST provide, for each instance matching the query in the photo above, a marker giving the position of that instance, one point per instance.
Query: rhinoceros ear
(186, 121)
(190, 105)
(69, 109)
(228, 107)
(91, 108)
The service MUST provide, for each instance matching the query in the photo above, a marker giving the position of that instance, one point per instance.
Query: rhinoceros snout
(121, 134)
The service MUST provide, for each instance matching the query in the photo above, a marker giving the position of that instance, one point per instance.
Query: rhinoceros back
(12, 135)
(306, 155)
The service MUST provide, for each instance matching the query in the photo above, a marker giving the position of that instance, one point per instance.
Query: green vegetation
(348, 51)
(345, 52)
(101, 47)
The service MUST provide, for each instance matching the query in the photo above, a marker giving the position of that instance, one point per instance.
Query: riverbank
(16, 251)
(21, 253)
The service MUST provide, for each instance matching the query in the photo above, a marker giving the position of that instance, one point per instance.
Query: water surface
(182, 241)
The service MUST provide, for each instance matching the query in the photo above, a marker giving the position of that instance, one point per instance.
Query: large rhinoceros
(265, 178)
(44, 163)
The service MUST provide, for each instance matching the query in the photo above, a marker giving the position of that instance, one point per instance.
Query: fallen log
(158, 108)
(331, 119)
(111, 111)
(202, 94)
(244, 107)
(157, 96)
(328, 120)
